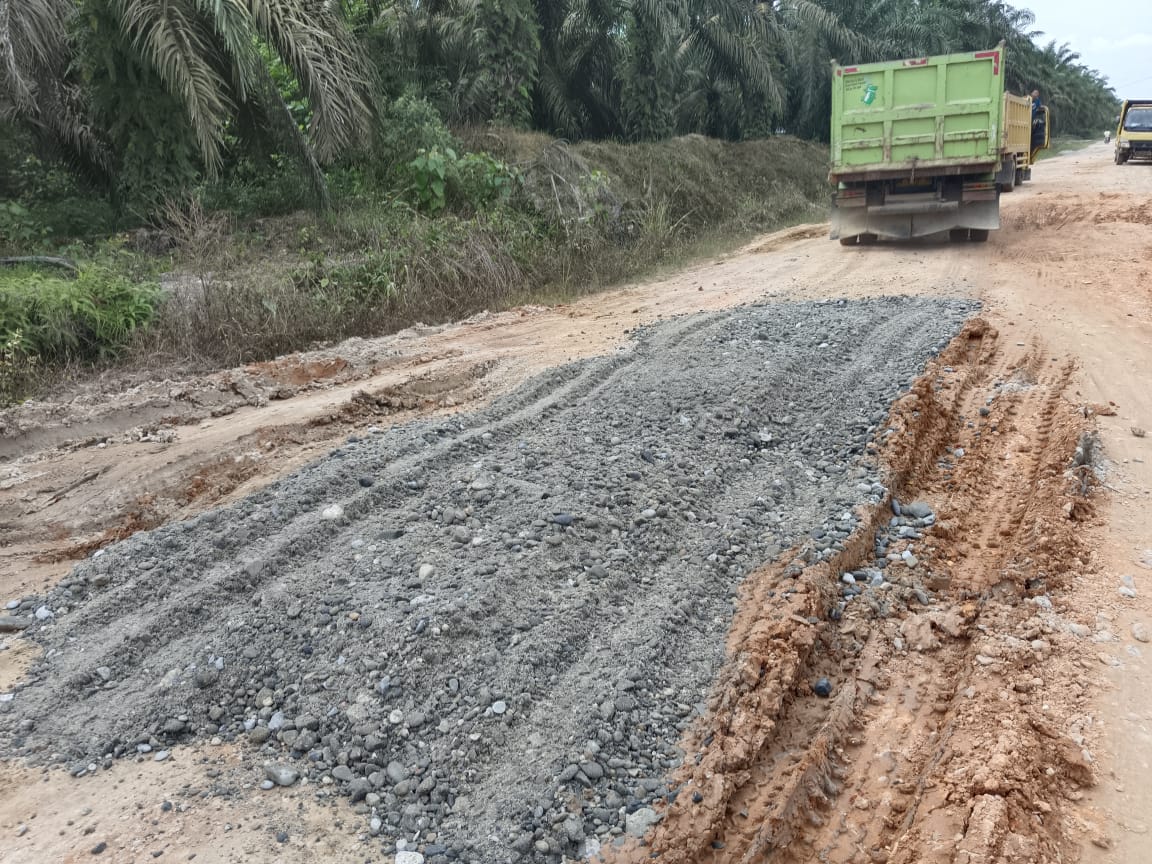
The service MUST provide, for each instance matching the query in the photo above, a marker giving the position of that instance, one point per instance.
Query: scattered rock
(638, 823)
(917, 510)
(13, 624)
(822, 687)
(281, 775)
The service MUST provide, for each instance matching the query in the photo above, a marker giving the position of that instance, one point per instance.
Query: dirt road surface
(987, 656)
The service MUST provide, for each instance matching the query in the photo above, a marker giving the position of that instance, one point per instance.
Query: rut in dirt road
(936, 746)
(492, 629)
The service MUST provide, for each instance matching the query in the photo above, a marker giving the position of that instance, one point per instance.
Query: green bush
(16, 370)
(471, 182)
(90, 318)
(256, 188)
(485, 180)
(19, 229)
(40, 202)
(429, 176)
(408, 127)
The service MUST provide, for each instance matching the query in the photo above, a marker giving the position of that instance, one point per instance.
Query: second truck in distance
(927, 145)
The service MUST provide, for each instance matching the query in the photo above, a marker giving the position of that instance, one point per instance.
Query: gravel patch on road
(490, 631)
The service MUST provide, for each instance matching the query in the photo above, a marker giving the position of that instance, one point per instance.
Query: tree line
(138, 95)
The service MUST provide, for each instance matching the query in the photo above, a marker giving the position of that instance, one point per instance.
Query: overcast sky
(1112, 36)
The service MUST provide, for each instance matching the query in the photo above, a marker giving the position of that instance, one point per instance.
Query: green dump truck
(927, 145)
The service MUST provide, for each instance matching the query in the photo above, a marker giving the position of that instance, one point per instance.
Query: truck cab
(1134, 131)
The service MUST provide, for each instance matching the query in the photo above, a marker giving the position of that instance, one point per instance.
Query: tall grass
(90, 318)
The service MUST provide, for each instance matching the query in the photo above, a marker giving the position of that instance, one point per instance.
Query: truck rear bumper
(897, 224)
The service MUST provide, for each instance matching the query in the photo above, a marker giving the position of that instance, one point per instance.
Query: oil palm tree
(211, 56)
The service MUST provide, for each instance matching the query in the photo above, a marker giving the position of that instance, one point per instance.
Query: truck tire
(868, 239)
(978, 235)
(1121, 157)
(1020, 177)
(848, 241)
(958, 235)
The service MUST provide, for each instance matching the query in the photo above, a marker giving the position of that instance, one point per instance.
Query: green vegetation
(51, 320)
(90, 317)
(317, 171)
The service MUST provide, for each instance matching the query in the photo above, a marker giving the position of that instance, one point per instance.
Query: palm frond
(315, 44)
(182, 52)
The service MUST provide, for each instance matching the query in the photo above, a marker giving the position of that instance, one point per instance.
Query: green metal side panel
(928, 112)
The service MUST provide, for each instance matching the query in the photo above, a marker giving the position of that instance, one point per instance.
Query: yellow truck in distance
(1134, 131)
(927, 145)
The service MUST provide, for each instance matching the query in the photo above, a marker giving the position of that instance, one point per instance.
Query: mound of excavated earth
(489, 632)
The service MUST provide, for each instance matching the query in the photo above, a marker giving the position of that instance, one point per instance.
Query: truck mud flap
(853, 221)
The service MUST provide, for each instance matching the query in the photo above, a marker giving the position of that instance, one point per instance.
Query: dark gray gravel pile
(489, 632)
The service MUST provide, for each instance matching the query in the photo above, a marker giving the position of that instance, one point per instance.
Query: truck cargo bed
(924, 116)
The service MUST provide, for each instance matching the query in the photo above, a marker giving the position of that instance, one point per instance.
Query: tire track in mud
(934, 747)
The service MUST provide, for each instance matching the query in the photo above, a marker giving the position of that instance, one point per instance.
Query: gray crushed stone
(497, 642)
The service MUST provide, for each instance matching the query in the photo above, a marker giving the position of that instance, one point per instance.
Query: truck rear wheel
(868, 239)
(958, 235)
(978, 235)
(1020, 177)
(848, 241)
